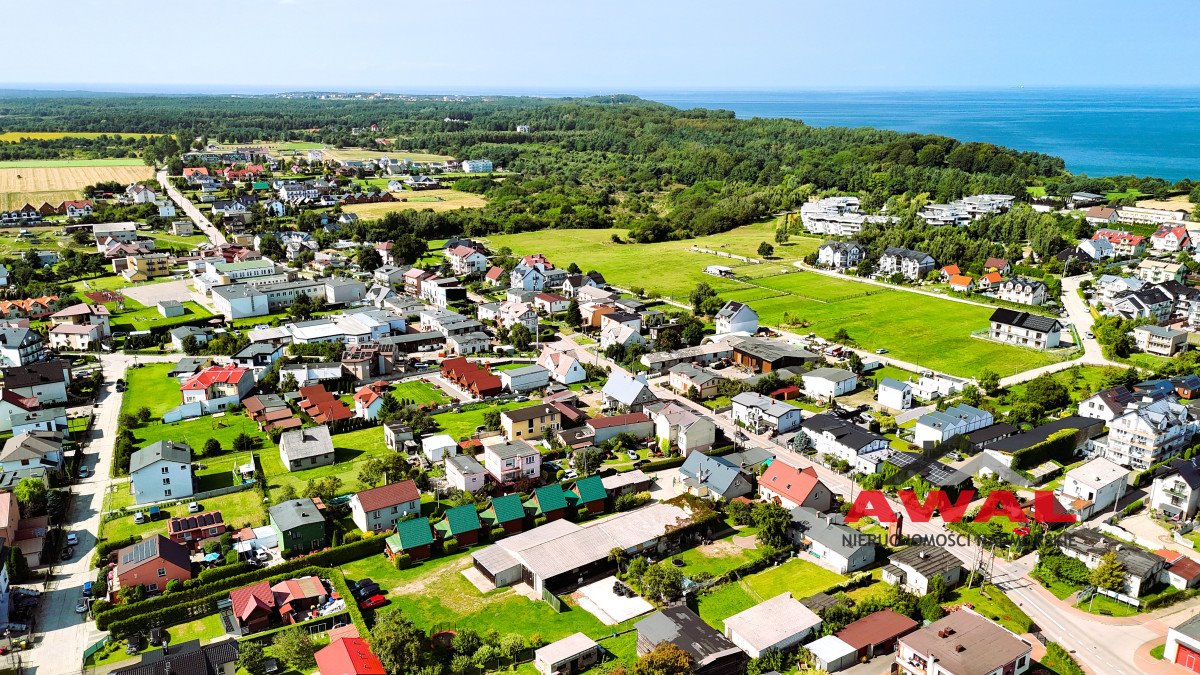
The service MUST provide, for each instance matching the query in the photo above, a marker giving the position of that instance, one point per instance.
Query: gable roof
(550, 498)
(349, 656)
(164, 450)
(590, 489)
(682, 627)
(411, 534)
(386, 496)
(152, 548)
(507, 508)
(1034, 322)
(926, 560)
(791, 482)
(459, 520)
(249, 599)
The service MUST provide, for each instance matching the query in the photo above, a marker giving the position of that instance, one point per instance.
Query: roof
(1091, 542)
(349, 656)
(550, 498)
(564, 649)
(32, 445)
(711, 471)
(830, 649)
(160, 450)
(1034, 322)
(188, 658)
(876, 628)
(411, 534)
(390, 495)
(1190, 628)
(618, 420)
(247, 599)
(590, 489)
(307, 442)
(680, 626)
(926, 560)
(511, 449)
(960, 280)
(773, 621)
(845, 433)
(44, 372)
(465, 464)
(1186, 469)
(1039, 434)
(507, 508)
(528, 413)
(822, 529)
(965, 643)
(459, 520)
(793, 483)
(195, 521)
(831, 374)
(295, 513)
(1098, 473)
(152, 548)
(626, 389)
(229, 374)
(890, 383)
(1180, 565)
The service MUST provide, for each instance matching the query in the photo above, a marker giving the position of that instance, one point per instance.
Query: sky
(568, 46)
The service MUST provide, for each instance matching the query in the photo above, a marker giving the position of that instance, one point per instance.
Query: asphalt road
(214, 235)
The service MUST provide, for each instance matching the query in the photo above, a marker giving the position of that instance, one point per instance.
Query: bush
(402, 561)
(632, 501)
(497, 534)
(1133, 508)
(1059, 446)
(450, 545)
(539, 521)
(1064, 663)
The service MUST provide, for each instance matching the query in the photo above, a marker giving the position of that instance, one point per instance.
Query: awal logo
(874, 503)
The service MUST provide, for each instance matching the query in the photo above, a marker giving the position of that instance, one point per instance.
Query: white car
(193, 507)
(72, 539)
(81, 606)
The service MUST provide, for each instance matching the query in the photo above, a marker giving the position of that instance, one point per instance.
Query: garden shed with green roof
(549, 501)
(414, 537)
(507, 512)
(462, 523)
(590, 493)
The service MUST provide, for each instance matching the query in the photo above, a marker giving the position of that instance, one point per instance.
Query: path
(214, 235)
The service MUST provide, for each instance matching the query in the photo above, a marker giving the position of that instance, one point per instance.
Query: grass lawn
(1061, 589)
(419, 392)
(799, 576)
(1158, 652)
(995, 605)
(1104, 605)
(237, 509)
(1080, 381)
(49, 163)
(205, 629)
(716, 559)
(139, 317)
(462, 425)
(179, 241)
(1147, 361)
(154, 388)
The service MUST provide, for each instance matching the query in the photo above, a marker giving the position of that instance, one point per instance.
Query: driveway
(151, 294)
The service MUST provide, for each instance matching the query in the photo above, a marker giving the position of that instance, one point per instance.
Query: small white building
(1094, 487)
(832, 654)
(776, 624)
(755, 411)
(525, 379)
(894, 394)
(465, 473)
(161, 471)
(736, 317)
(826, 383)
(439, 447)
(572, 654)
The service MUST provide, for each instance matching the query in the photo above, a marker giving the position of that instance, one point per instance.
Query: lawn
(461, 425)
(237, 509)
(436, 200)
(152, 387)
(362, 153)
(717, 558)
(1080, 381)
(1061, 589)
(995, 605)
(419, 392)
(1106, 606)
(350, 449)
(801, 577)
(1148, 362)
(53, 163)
(206, 629)
(137, 316)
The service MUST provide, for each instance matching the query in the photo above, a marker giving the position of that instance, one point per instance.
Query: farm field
(37, 181)
(16, 136)
(361, 153)
(437, 200)
(925, 330)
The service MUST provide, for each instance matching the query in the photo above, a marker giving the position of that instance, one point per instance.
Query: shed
(776, 624)
(507, 512)
(549, 501)
(414, 537)
(832, 653)
(876, 633)
(572, 654)
(589, 492)
(462, 523)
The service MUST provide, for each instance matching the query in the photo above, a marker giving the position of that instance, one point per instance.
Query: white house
(161, 471)
(683, 428)
(1094, 487)
(825, 383)
(525, 379)
(466, 260)
(757, 412)
(736, 317)
(840, 254)
(465, 473)
(913, 265)
(512, 461)
(1175, 492)
(836, 438)
(776, 624)
(894, 394)
(825, 540)
(437, 448)
(564, 367)
(379, 508)
(1025, 329)
(937, 426)
(1149, 434)
(914, 567)
(1023, 291)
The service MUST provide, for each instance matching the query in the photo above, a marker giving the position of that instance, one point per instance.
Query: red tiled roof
(211, 375)
(998, 263)
(249, 598)
(460, 251)
(951, 270)
(617, 420)
(960, 280)
(300, 588)
(876, 628)
(992, 278)
(370, 392)
(789, 481)
(349, 656)
(386, 496)
(495, 273)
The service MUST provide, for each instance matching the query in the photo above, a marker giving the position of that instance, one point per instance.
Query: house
(299, 525)
(438, 447)
(564, 367)
(1094, 487)
(258, 357)
(39, 419)
(604, 428)
(525, 379)
(694, 381)
(613, 333)
(1023, 291)
(1025, 329)
(963, 643)
(894, 394)
(568, 656)
(512, 461)
(496, 278)
(20, 346)
(1181, 572)
(306, 448)
(531, 422)
(349, 656)
(465, 260)
(33, 449)
(380, 508)
(830, 543)
(82, 337)
(461, 523)
(465, 473)
(1183, 645)
(1175, 491)
(777, 624)
(471, 377)
(368, 400)
(214, 658)
(298, 598)
(1107, 404)
(84, 314)
(253, 606)
(790, 487)
(1154, 271)
(548, 501)
(912, 265)
(755, 411)
(913, 568)
(839, 439)
(551, 303)
(505, 512)
(876, 633)
(764, 356)
(1124, 244)
(1101, 215)
(1097, 249)
(678, 426)
(477, 166)
(1089, 546)
(826, 383)
(153, 563)
(219, 386)
(161, 471)
(413, 538)
(711, 652)
(736, 317)
(840, 255)
(46, 381)
(1149, 434)
(589, 493)
(713, 477)
(626, 393)
(961, 283)
(1170, 238)
(194, 529)
(627, 483)
(1160, 341)
(940, 426)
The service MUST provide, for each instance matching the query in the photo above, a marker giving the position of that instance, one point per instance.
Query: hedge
(1168, 600)
(331, 557)
(1064, 663)
(224, 572)
(1059, 446)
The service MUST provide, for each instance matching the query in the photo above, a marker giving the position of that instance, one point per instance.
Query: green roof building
(549, 501)
(507, 512)
(590, 493)
(462, 523)
(414, 537)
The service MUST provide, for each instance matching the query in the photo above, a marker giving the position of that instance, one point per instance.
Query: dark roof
(1186, 468)
(166, 450)
(876, 628)
(390, 495)
(926, 560)
(194, 521)
(1091, 542)
(819, 602)
(188, 658)
(550, 498)
(45, 372)
(460, 519)
(1039, 434)
(1034, 322)
(680, 626)
(529, 413)
(1190, 628)
(990, 433)
(846, 433)
(295, 513)
(151, 548)
(933, 471)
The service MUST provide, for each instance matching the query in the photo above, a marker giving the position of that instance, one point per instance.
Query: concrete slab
(611, 609)
(478, 580)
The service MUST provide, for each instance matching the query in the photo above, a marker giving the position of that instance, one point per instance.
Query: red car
(373, 602)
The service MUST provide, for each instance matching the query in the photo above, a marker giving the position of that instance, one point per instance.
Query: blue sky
(617, 45)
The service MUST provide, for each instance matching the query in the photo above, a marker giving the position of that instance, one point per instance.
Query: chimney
(922, 555)
(959, 648)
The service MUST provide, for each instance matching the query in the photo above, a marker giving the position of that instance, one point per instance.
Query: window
(166, 469)
(162, 571)
(166, 493)
(152, 587)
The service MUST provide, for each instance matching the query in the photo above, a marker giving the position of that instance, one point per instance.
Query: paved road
(214, 235)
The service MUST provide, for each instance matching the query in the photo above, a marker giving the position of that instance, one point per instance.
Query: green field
(56, 163)
(139, 317)
(16, 136)
(419, 392)
(462, 425)
(237, 509)
(801, 577)
(150, 386)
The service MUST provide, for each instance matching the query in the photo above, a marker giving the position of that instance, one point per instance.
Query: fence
(321, 624)
(553, 600)
(726, 254)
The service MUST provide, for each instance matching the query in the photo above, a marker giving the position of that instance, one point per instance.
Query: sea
(1098, 132)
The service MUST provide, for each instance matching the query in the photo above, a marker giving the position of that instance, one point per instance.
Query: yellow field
(437, 200)
(55, 184)
(14, 136)
(1172, 204)
(358, 153)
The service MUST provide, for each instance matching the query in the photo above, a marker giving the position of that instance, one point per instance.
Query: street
(189, 209)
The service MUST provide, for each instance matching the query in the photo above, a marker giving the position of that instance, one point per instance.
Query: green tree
(212, 447)
(324, 488)
(286, 493)
(18, 568)
(841, 335)
(781, 234)
(31, 495)
(773, 522)
(191, 346)
(574, 318)
(699, 295)
(295, 646)
(251, 658)
(765, 250)
(664, 659)
(288, 383)
(520, 337)
(368, 259)
(662, 581)
(402, 648)
(989, 380)
(1109, 574)
(491, 419)
(243, 443)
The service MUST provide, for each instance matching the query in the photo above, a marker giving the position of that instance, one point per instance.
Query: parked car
(631, 454)
(881, 350)
(81, 606)
(521, 399)
(367, 591)
(263, 555)
(373, 602)
(68, 553)
(139, 517)
(193, 507)
(84, 472)
(72, 539)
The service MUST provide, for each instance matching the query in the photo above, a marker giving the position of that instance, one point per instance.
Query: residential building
(46, 381)
(736, 317)
(381, 507)
(1023, 291)
(626, 393)
(564, 367)
(1170, 238)
(76, 337)
(691, 380)
(214, 658)
(413, 538)
(840, 255)
(938, 427)
(711, 652)
(1094, 487)
(839, 439)
(465, 473)
(1151, 433)
(438, 447)
(678, 426)
(20, 346)
(1107, 404)
(1154, 271)
(349, 656)
(368, 400)
(1124, 244)
(830, 543)
(790, 487)
(826, 383)
(161, 471)
(84, 314)
(914, 567)
(512, 461)
(963, 643)
(1175, 491)
(604, 428)
(713, 477)
(777, 624)
(153, 563)
(757, 412)
(299, 525)
(894, 394)
(531, 422)
(461, 523)
(912, 265)
(525, 379)
(1025, 329)
(218, 387)
(194, 529)
(477, 166)
(1160, 341)
(1089, 546)
(33, 450)
(306, 448)
(258, 358)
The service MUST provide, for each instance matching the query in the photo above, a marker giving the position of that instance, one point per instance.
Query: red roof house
(790, 487)
(349, 656)
(298, 598)
(216, 382)
(472, 377)
(876, 633)
(253, 606)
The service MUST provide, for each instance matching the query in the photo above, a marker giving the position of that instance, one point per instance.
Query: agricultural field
(37, 181)
(436, 200)
(382, 151)
(17, 136)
